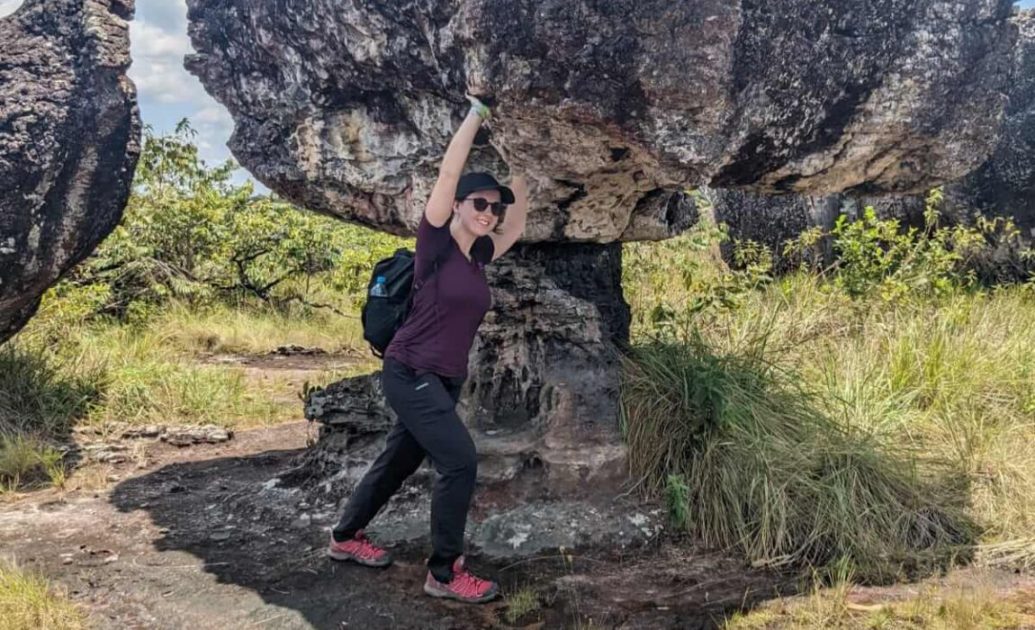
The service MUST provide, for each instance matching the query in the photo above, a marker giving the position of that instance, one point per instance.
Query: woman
(426, 363)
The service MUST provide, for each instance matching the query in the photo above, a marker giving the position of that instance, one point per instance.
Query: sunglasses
(481, 205)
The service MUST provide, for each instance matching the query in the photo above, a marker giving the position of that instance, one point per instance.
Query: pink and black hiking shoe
(464, 587)
(359, 549)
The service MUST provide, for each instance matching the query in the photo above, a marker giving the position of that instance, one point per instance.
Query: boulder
(612, 108)
(69, 142)
(1003, 186)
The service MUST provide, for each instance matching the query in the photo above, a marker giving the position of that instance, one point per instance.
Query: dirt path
(147, 552)
(194, 538)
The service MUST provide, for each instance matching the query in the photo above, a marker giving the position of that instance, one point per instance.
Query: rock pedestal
(541, 403)
(541, 398)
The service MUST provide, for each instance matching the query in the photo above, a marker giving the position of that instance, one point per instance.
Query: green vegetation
(971, 606)
(191, 235)
(199, 267)
(28, 603)
(521, 603)
(879, 414)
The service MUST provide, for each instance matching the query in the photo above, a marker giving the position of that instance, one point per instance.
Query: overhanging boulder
(346, 107)
(69, 142)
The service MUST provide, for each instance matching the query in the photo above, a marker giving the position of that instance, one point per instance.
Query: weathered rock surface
(345, 108)
(69, 141)
(1005, 184)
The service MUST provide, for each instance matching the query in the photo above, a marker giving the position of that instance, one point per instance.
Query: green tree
(191, 233)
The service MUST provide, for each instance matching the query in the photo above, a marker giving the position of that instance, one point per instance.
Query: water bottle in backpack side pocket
(379, 289)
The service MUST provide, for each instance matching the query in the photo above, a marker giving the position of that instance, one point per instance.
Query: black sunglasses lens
(481, 205)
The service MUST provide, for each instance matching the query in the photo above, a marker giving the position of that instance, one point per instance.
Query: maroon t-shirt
(448, 306)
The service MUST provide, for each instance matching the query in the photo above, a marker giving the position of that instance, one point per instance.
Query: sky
(167, 92)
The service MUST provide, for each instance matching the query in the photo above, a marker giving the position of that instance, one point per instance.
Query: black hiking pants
(428, 426)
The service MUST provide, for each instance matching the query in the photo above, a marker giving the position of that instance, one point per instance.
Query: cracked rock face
(346, 107)
(1005, 184)
(69, 142)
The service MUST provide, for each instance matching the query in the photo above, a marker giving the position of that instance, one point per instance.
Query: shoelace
(467, 585)
(366, 549)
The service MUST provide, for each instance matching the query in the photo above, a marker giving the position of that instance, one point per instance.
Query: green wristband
(482, 110)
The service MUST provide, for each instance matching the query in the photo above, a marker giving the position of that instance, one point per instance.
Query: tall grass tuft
(37, 394)
(40, 399)
(27, 602)
(750, 460)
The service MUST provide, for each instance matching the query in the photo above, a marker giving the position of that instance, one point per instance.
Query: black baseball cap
(474, 182)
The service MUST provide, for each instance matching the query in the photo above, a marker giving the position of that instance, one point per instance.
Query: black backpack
(384, 315)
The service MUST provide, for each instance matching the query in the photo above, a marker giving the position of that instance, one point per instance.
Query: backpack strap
(435, 262)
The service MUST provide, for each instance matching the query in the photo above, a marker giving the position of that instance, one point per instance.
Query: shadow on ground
(249, 532)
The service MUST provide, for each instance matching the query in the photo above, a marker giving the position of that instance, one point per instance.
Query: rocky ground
(177, 537)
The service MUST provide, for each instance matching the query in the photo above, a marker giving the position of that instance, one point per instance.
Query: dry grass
(974, 607)
(522, 602)
(27, 602)
(946, 384)
(250, 331)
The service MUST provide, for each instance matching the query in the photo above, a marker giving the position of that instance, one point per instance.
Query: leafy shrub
(879, 257)
(190, 234)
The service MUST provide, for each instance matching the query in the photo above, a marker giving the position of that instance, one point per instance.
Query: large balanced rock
(69, 141)
(346, 107)
(613, 109)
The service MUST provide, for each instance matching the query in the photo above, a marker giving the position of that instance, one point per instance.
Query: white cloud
(214, 115)
(170, 13)
(150, 40)
(157, 69)
(7, 7)
(214, 126)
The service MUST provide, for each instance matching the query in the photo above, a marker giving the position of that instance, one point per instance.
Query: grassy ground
(862, 436)
(972, 606)
(805, 427)
(27, 602)
(57, 374)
